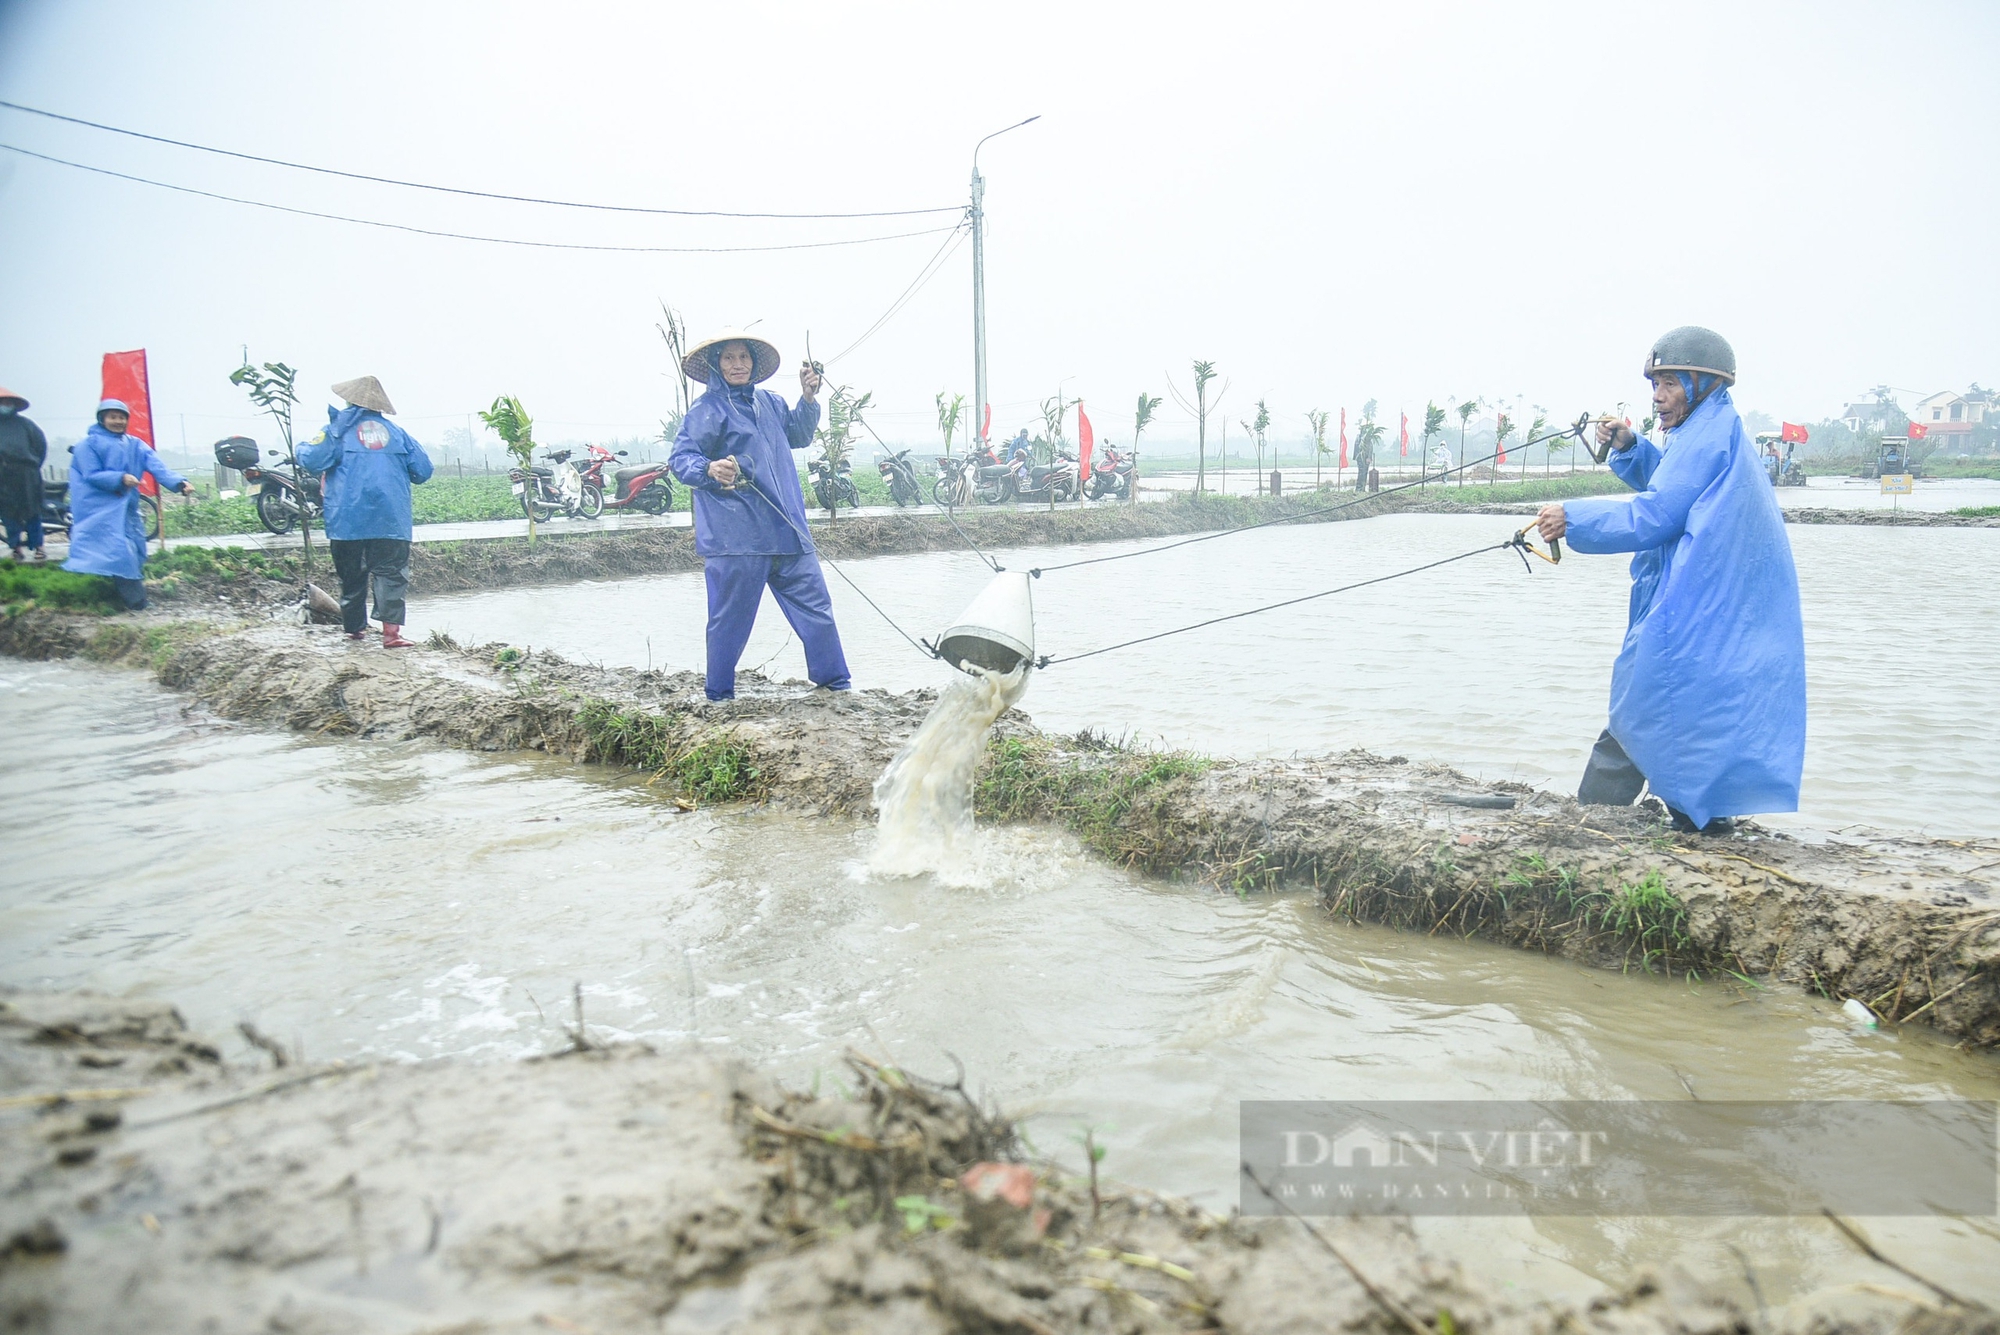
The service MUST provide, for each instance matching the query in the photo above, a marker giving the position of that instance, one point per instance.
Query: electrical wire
(454, 190)
(930, 270)
(466, 236)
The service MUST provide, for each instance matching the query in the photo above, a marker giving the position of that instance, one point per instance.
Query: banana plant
(1317, 420)
(510, 421)
(948, 414)
(1142, 418)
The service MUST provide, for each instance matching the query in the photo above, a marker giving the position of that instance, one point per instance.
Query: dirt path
(1909, 926)
(152, 1188)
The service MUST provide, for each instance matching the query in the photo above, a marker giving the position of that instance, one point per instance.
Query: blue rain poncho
(755, 426)
(369, 463)
(106, 535)
(1708, 696)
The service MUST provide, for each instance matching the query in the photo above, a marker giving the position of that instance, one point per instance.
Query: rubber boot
(355, 635)
(392, 638)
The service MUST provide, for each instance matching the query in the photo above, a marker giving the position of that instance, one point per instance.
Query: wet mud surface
(1909, 926)
(151, 1187)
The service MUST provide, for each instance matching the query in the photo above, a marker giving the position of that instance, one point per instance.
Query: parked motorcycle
(1054, 481)
(286, 493)
(901, 476)
(953, 486)
(647, 488)
(1110, 475)
(834, 487)
(556, 489)
(994, 481)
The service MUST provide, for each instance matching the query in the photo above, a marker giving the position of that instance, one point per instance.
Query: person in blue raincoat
(1708, 696)
(369, 463)
(106, 535)
(734, 452)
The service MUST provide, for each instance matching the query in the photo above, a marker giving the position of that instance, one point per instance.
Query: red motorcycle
(1110, 475)
(647, 488)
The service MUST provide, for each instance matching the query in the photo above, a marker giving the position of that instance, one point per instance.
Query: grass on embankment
(170, 574)
(1979, 512)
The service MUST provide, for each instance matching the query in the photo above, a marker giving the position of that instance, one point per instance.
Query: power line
(454, 190)
(466, 236)
(930, 270)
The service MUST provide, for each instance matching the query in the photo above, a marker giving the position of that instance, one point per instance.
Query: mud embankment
(151, 1187)
(1909, 926)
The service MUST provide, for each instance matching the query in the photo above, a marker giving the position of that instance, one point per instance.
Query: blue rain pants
(736, 586)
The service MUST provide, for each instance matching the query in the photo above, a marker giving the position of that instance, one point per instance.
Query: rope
(807, 539)
(1572, 430)
(1046, 660)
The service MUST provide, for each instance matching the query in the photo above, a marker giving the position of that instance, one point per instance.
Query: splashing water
(924, 797)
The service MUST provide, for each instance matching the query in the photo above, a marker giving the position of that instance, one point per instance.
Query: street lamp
(979, 404)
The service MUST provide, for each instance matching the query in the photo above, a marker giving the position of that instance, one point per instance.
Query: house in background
(1948, 418)
(1882, 414)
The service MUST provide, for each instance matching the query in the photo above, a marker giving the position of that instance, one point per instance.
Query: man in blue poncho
(369, 463)
(734, 452)
(1708, 696)
(106, 535)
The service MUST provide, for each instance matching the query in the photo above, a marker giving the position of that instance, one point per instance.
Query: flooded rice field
(363, 900)
(1478, 665)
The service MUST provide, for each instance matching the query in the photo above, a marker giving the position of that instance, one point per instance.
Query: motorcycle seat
(627, 474)
(543, 472)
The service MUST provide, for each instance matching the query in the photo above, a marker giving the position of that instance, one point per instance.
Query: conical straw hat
(21, 399)
(367, 392)
(763, 356)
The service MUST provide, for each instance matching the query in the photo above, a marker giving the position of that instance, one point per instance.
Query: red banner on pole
(1406, 433)
(1085, 439)
(1792, 433)
(1343, 437)
(125, 380)
(986, 424)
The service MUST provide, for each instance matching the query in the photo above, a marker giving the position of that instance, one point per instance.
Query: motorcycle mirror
(272, 453)
(623, 453)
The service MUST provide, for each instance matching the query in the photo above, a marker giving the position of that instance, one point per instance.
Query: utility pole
(980, 406)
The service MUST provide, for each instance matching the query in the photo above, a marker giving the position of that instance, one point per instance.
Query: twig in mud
(1867, 1249)
(579, 1037)
(1388, 1303)
(1781, 875)
(71, 1096)
(257, 1038)
(276, 1086)
(1090, 1152)
(1756, 1289)
(1935, 1000)
(847, 1140)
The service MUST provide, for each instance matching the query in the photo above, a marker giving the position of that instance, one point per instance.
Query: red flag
(1343, 437)
(1792, 433)
(1406, 434)
(1918, 431)
(1085, 439)
(986, 424)
(1499, 439)
(125, 380)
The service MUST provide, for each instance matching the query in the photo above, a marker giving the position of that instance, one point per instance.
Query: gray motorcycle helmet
(1692, 348)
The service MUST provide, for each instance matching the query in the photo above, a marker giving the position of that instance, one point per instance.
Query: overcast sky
(1333, 202)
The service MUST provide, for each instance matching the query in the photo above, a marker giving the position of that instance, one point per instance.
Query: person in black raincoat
(23, 451)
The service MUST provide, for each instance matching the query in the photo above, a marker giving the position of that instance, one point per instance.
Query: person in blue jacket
(369, 463)
(734, 452)
(1708, 696)
(106, 535)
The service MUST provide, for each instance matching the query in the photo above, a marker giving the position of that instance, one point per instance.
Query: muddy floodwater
(1479, 665)
(367, 900)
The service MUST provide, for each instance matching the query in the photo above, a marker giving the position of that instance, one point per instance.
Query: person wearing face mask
(106, 535)
(1708, 696)
(734, 452)
(23, 451)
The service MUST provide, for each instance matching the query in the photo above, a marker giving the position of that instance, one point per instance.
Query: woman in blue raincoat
(1708, 696)
(106, 535)
(734, 452)
(369, 463)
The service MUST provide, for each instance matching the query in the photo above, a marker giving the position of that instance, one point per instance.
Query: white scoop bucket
(997, 631)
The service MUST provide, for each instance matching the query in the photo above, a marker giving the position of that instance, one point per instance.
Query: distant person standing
(23, 451)
(734, 452)
(106, 535)
(1708, 696)
(369, 463)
